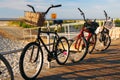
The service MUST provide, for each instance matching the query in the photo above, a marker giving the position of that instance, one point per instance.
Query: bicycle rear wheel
(78, 54)
(92, 43)
(6, 72)
(103, 41)
(62, 50)
(31, 61)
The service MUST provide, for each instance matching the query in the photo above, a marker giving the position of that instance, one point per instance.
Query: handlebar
(82, 13)
(32, 8)
(56, 5)
(52, 6)
(105, 14)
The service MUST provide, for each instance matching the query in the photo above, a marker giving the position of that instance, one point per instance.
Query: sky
(92, 8)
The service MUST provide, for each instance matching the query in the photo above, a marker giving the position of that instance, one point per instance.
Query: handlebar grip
(80, 10)
(52, 7)
(29, 5)
(105, 13)
(32, 8)
(56, 5)
(82, 14)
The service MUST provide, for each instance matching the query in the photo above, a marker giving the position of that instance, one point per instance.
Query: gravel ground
(8, 45)
(11, 39)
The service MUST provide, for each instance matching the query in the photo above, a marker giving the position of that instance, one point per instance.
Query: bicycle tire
(92, 42)
(34, 47)
(62, 51)
(77, 55)
(103, 44)
(9, 68)
(108, 41)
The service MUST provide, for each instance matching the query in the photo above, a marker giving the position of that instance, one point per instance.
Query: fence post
(68, 33)
(48, 42)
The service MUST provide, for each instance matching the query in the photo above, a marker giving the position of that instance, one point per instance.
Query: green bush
(117, 22)
(24, 25)
(14, 23)
(69, 21)
(60, 29)
(117, 25)
(21, 24)
(101, 23)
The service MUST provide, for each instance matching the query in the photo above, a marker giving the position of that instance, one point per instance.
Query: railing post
(68, 33)
(48, 41)
(65, 29)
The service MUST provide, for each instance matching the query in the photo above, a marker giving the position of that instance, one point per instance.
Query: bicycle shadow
(79, 74)
(101, 67)
(108, 51)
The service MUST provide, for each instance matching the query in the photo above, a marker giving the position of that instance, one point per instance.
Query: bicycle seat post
(39, 31)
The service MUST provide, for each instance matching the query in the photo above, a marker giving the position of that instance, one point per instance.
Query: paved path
(97, 66)
(12, 32)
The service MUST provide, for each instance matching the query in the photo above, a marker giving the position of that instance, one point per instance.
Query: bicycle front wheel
(6, 72)
(62, 50)
(78, 53)
(103, 41)
(31, 61)
(92, 43)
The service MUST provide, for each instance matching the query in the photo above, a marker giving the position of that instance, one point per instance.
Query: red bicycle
(79, 46)
(85, 41)
(90, 28)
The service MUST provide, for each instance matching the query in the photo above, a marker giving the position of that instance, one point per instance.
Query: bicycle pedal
(50, 58)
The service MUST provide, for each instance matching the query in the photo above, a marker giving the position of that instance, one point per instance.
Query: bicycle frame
(81, 34)
(40, 41)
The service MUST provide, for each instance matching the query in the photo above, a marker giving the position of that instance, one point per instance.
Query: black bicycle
(6, 72)
(32, 54)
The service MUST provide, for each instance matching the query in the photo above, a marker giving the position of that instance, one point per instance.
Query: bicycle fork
(77, 46)
(31, 56)
(62, 50)
(78, 41)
